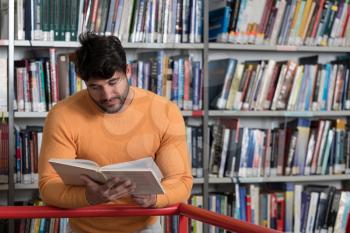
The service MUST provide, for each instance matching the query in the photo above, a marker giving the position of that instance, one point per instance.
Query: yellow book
(307, 24)
(295, 16)
(304, 18)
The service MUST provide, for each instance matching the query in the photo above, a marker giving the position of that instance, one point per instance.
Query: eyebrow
(113, 79)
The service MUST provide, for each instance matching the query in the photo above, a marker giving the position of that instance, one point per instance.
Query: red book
(248, 209)
(281, 205)
(318, 17)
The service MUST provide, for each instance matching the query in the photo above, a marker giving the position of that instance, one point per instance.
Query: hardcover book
(143, 172)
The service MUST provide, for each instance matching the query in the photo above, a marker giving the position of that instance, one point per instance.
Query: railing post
(183, 224)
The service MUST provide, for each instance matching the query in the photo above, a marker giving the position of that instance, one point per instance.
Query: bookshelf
(208, 51)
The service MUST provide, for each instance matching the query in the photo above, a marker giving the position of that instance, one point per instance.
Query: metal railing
(184, 211)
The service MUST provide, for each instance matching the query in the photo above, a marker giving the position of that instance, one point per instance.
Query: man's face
(110, 94)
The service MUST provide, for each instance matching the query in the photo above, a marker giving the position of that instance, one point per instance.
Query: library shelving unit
(209, 51)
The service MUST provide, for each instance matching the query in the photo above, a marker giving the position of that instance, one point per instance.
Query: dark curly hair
(99, 57)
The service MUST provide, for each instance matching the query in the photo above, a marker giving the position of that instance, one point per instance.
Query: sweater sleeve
(58, 142)
(173, 159)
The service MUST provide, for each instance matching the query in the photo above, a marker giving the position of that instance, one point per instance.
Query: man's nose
(107, 93)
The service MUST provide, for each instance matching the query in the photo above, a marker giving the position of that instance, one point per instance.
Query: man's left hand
(145, 200)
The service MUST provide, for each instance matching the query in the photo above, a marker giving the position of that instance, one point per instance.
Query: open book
(143, 172)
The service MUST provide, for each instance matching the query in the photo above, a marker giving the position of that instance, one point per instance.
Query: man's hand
(145, 200)
(114, 189)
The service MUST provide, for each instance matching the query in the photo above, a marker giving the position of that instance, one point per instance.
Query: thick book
(143, 172)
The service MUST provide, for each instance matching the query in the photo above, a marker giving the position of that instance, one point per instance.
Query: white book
(312, 212)
(298, 189)
(331, 86)
(279, 87)
(3, 85)
(226, 139)
(310, 152)
(144, 173)
(343, 211)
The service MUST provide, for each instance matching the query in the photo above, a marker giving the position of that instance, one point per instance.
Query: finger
(88, 181)
(115, 181)
(117, 194)
(126, 186)
(120, 191)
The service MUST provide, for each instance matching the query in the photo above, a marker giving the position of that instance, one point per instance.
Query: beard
(108, 105)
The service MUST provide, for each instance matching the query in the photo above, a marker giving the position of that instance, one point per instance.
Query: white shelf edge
(129, 45)
(198, 180)
(37, 43)
(4, 42)
(126, 45)
(277, 48)
(44, 114)
(26, 186)
(30, 114)
(4, 114)
(278, 113)
(35, 186)
(313, 178)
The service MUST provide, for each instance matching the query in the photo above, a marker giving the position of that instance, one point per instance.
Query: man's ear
(128, 71)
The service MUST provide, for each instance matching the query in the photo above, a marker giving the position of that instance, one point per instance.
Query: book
(143, 172)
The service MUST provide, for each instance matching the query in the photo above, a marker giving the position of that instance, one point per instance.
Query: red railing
(183, 210)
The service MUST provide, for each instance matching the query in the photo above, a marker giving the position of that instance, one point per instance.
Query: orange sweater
(149, 126)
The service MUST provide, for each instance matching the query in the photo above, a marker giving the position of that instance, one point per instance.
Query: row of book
(179, 78)
(284, 85)
(194, 133)
(38, 225)
(40, 83)
(4, 152)
(296, 208)
(47, 20)
(59, 225)
(284, 22)
(150, 21)
(302, 147)
(27, 144)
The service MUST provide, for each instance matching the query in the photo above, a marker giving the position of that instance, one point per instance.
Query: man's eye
(113, 83)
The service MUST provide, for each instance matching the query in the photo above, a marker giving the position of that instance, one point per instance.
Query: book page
(70, 172)
(145, 163)
(77, 163)
(146, 181)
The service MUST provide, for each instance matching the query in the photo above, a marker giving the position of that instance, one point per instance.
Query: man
(111, 122)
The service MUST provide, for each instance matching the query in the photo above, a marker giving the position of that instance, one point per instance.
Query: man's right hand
(114, 189)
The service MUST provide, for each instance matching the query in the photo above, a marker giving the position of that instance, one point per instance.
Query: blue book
(219, 21)
(196, 84)
(243, 203)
